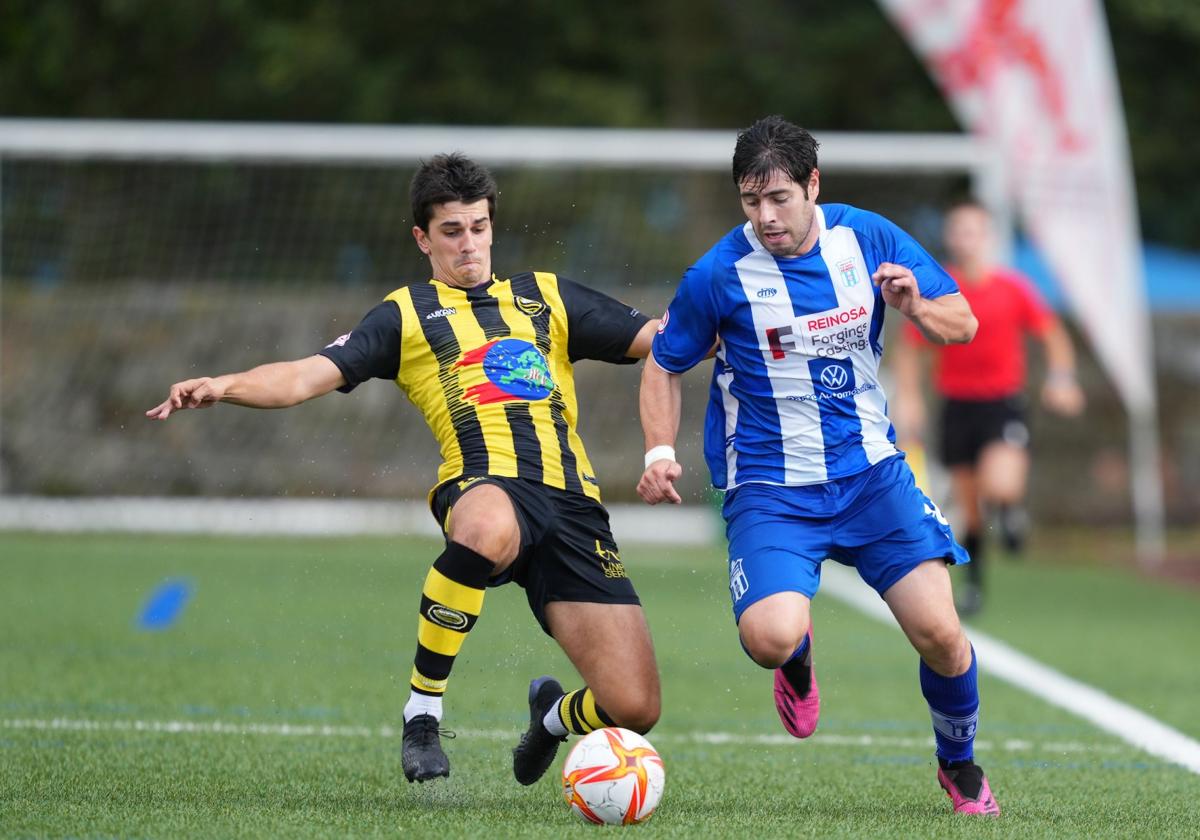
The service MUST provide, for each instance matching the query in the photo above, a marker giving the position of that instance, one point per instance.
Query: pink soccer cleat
(968, 788)
(798, 711)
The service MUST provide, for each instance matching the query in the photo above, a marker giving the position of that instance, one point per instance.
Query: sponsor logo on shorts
(932, 510)
(467, 482)
(662, 322)
(340, 341)
(738, 584)
(610, 562)
(444, 616)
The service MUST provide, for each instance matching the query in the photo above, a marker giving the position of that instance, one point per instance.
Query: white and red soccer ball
(613, 776)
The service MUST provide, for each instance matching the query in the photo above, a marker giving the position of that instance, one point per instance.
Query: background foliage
(679, 63)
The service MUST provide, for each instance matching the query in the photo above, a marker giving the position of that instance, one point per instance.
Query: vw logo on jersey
(515, 370)
(833, 377)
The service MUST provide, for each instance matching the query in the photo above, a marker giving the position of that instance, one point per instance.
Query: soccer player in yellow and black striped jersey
(488, 361)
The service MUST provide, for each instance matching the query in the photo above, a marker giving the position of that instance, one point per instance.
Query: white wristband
(660, 453)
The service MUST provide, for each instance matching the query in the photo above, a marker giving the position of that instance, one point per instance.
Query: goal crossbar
(497, 146)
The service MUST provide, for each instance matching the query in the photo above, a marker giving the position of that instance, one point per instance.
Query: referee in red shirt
(984, 436)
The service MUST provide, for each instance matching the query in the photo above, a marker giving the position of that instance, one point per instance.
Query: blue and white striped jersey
(795, 396)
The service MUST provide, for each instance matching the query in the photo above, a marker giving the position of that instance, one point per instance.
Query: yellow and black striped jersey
(491, 369)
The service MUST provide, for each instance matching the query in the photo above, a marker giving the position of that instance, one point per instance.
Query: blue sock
(800, 651)
(954, 707)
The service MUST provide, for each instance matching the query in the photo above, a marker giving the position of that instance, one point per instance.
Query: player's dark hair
(774, 145)
(444, 178)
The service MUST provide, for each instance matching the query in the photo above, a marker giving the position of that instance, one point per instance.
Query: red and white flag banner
(1037, 78)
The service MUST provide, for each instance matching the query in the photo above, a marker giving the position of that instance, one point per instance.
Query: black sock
(798, 671)
(973, 543)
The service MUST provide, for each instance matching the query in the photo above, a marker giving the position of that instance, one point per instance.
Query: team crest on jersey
(532, 308)
(849, 273)
(515, 370)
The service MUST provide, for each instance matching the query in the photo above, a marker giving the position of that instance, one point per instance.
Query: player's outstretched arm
(276, 385)
(660, 401)
(943, 320)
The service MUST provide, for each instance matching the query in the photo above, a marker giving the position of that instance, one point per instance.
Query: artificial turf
(268, 703)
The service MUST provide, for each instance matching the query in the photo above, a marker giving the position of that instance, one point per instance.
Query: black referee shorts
(970, 425)
(567, 550)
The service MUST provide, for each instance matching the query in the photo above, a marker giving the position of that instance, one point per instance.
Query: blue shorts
(877, 521)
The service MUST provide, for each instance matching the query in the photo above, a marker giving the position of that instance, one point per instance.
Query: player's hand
(1062, 395)
(191, 393)
(658, 482)
(899, 287)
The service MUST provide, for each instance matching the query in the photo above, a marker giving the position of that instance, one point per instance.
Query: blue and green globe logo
(515, 369)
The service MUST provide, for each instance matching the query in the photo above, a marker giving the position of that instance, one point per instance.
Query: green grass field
(270, 707)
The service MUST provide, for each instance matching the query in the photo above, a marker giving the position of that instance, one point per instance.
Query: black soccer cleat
(970, 600)
(1014, 528)
(422, 755)
(535, 752)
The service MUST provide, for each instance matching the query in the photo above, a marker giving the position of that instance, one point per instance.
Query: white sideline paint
(688, 525)
(291, 730)
(998, 659)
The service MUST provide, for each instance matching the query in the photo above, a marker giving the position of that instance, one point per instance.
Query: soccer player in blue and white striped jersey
(798, 436)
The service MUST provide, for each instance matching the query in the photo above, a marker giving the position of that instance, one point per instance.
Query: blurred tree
(556, 62)
(1152, 40)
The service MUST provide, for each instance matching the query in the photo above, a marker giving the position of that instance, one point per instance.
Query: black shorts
(969, 425)
(567, 550)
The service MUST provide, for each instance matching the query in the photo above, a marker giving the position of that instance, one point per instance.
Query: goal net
(135, 255)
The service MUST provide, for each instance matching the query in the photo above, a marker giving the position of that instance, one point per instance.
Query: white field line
(998, 659)
(291, 730)
(689, 525)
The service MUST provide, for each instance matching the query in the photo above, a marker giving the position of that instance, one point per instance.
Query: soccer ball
(613, 776)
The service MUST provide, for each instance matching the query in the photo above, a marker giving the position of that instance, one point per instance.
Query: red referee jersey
(992, 366)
